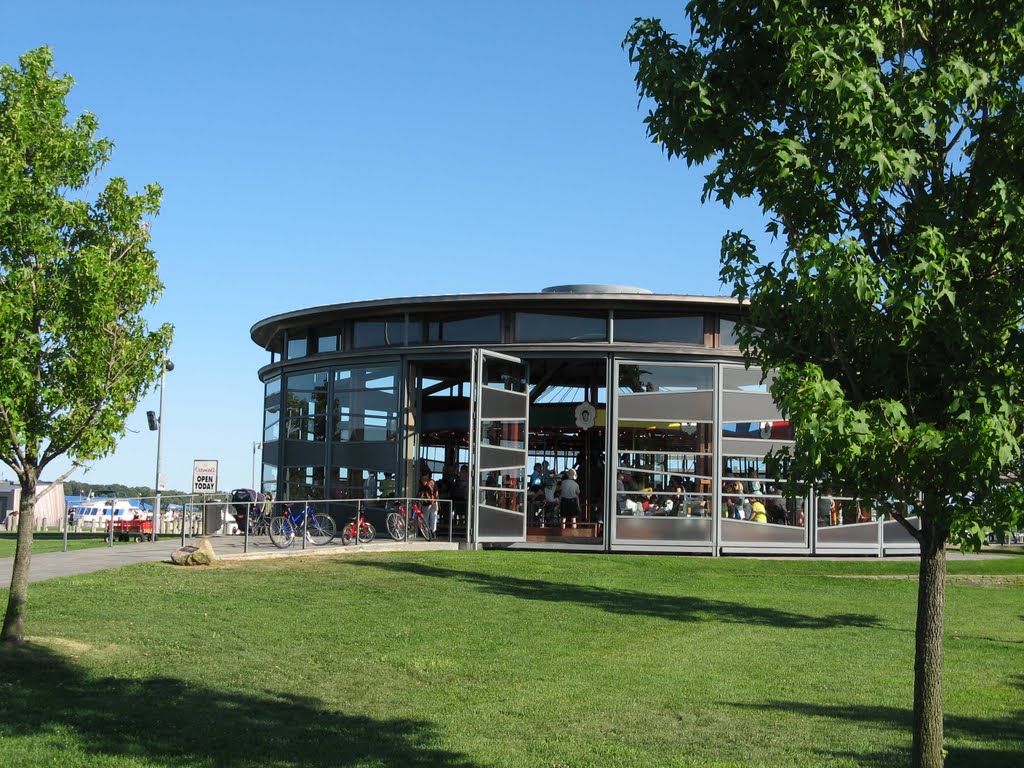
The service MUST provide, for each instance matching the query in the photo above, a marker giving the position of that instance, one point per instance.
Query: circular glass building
(583, 416)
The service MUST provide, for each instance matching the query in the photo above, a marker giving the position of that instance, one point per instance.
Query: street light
(156, 422)
(256, 446)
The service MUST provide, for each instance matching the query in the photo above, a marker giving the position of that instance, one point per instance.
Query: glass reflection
(364, 406)
(537, 326)
(306, 407)
(504, 488)
(388, 332)
(672, 328)
(468, 329)
(302, 483)
(664, 378)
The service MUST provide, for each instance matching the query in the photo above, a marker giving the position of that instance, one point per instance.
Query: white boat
(103, 511)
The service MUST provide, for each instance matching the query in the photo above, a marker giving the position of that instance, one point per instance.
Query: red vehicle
(126, 530)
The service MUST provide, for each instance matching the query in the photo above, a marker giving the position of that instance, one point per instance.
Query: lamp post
(255, 447)
(157, 422)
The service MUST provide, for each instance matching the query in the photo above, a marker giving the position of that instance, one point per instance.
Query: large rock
(201, 555)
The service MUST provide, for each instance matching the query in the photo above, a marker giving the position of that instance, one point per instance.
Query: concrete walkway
(52, 565)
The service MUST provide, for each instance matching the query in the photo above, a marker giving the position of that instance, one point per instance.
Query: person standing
(570, 498)
(428, 492)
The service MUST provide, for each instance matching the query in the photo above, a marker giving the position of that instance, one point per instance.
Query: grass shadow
(686, 608)
(1002, 736)
(172, 722)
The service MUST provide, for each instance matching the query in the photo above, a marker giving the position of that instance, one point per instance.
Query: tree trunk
(931, 600)
(14, 621)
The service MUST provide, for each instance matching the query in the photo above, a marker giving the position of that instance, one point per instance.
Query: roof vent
(593, 288)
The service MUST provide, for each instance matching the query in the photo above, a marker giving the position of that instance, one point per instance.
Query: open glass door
(500, 430)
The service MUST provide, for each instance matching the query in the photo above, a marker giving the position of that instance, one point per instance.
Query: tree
(884, 141)
(75, 277)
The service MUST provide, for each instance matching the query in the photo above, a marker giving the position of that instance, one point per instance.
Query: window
(272, 410)
(664, 378)
(306, 407)
(536, 326)
(365, 404)
(303, 483)
(388, 332)
(297, 347)
(667, 328)
(727, 332)
(356, 483)
(464, 330)
(327, 341)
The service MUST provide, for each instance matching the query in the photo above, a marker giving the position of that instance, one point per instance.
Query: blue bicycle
(319, 527)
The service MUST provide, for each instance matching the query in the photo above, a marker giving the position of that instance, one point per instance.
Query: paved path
(51, 565)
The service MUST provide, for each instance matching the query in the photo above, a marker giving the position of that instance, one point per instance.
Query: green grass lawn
(507, 659)
(51, 541)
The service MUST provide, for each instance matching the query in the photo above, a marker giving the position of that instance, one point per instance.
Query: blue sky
(321, 152)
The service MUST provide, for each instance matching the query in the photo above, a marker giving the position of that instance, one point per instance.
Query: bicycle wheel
(321, 529)
(348, 532)
(424, 531)
(281, 532)
(396, 526)
(367, 533)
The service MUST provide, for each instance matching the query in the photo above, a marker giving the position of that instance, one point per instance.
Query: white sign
(585, 415)
(204, 476)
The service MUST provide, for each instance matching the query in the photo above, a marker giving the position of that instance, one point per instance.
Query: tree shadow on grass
(172, 722)
(631, 602)
(1002, 737)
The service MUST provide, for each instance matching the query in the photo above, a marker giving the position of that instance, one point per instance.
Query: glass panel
(504, 488)
(664, 471)
(414, 331)
(535, 326)
(365, 404)
(500, 524)
(296, 348)
(727, 332)
(272, 410)
(745, 379)
(504, 374)
(327, 342)
(675, 503)
(465, 329)
(378, 333)
(351, 483)
(301, 483)
(506, 434)
(269, 478)
(831, 510)
(664, 378)
(893, 533)
(758, 532)
(306, 407)
(696, 530)
(748, 493)
(272, 424)
(499, 404)
(672, 328)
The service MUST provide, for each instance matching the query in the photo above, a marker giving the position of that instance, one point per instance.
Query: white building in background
(49, 512)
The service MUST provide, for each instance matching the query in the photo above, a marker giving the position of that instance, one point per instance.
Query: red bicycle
(398, 523)
(358, 529)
